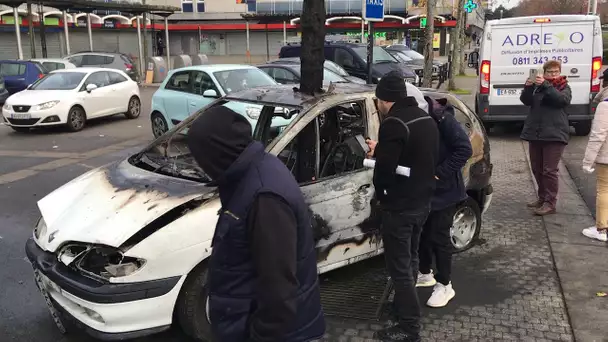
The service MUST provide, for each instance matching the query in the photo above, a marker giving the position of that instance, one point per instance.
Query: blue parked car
(18, 75)
(186, 90)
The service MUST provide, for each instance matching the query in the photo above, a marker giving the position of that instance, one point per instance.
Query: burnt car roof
(285, 95)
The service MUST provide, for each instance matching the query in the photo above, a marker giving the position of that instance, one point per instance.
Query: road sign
(373, 10)
(470, 5)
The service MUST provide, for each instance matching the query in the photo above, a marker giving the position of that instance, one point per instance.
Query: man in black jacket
(262, 274)
(407, 137)
(454, 152)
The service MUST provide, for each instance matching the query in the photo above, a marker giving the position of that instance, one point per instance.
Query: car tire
(191, 307)
(583, 128)
(21, 129)
(133, 108)
(159, 124)
(77, 118)
(466, 225)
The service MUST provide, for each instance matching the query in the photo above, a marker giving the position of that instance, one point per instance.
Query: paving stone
(506, 287)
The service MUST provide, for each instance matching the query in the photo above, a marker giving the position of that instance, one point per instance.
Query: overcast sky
(505, 3)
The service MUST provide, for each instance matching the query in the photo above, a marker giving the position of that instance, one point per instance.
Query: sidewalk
(506, 287)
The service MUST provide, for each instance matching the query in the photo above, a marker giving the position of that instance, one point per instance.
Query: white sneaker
(426, 280)
(442, 294)
(593, 233)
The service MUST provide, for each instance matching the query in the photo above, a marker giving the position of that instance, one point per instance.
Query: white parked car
(72, 96)
(52, 64)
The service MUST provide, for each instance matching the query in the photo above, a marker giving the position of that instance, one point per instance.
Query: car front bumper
(56, 115)
(108, 311)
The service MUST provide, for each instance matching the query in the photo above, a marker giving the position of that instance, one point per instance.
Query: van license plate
(21, 116)
(508, 92)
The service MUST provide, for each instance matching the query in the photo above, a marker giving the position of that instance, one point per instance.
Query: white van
(511, 47)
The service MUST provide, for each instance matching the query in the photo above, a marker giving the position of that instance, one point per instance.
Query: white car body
(169, 222)
(514, 49)
(27, 108)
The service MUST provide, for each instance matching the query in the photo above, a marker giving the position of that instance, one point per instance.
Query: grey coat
(547, 120)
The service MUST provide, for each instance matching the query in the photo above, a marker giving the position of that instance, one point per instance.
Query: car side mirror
(210, 93)
(91, 87)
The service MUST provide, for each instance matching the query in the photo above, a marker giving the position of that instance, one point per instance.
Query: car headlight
(40, 229)
(253, 112)
(100, 262)
(6, 106)
(46, 105)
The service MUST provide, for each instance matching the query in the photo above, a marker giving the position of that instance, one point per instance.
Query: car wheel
(159, 124)
(76, 119)
(134, 108)
(192, 306)
(466, 225)
(21, 129)
(582, 128)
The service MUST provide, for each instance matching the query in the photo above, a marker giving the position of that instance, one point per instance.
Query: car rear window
(12, 69)
(97, 60)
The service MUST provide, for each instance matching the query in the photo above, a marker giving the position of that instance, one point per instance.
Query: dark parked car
(289, 73)
(111, 60)
(18, 75)
(353, 58)
(329, 65)
(3, 92)
(415, 63)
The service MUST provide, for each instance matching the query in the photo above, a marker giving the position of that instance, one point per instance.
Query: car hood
(110, 204)
(35, 97)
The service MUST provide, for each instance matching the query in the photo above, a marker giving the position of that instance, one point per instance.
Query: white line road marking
(66, 159)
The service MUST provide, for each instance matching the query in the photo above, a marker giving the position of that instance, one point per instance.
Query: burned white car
(122, 250)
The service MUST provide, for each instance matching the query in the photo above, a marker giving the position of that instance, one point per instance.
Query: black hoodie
(216, 140)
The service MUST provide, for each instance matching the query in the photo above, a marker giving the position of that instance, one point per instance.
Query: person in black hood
(262, 273)
(454, 152)
(407, 137)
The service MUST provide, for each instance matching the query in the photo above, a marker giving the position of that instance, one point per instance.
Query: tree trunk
(313, 40)
(427, 78)
(462, 20)
(452, 54)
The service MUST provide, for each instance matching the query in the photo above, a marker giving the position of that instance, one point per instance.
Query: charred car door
(327, 160)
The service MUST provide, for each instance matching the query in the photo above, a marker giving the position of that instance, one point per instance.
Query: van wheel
(582, 128)
(191, 307)
(466, 225)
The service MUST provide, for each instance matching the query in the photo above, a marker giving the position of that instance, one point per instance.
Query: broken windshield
(170, 155)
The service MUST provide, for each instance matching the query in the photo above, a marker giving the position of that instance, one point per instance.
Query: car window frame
(174, 75)
(287, 70)
(110, 73)
(193, 86)
(86, 81)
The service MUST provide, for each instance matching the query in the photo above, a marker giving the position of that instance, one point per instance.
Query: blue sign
(373, 10)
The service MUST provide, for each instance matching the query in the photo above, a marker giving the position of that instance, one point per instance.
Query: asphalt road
(31, 166)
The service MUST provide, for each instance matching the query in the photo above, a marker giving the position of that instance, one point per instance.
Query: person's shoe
(535, 204)
(442, 294)
(396, 333)
(426, 280)
(545, 209)
(593, 233)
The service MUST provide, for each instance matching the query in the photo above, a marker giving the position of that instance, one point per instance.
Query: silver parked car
(110, 60)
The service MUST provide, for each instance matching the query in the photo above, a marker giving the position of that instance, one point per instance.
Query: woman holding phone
(547, 131)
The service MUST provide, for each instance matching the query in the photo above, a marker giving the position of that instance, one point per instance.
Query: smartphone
(533, 74)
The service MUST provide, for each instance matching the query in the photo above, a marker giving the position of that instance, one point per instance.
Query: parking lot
(507, 287)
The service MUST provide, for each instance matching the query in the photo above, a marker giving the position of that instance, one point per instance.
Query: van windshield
(380, 56)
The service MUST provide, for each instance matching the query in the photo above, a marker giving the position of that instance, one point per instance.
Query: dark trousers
(435, 243)
(544, 157)
(401, 237)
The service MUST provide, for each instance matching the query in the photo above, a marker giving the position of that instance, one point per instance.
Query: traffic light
(423, 22)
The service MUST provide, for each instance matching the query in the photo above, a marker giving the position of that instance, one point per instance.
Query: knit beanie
(391, 87)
